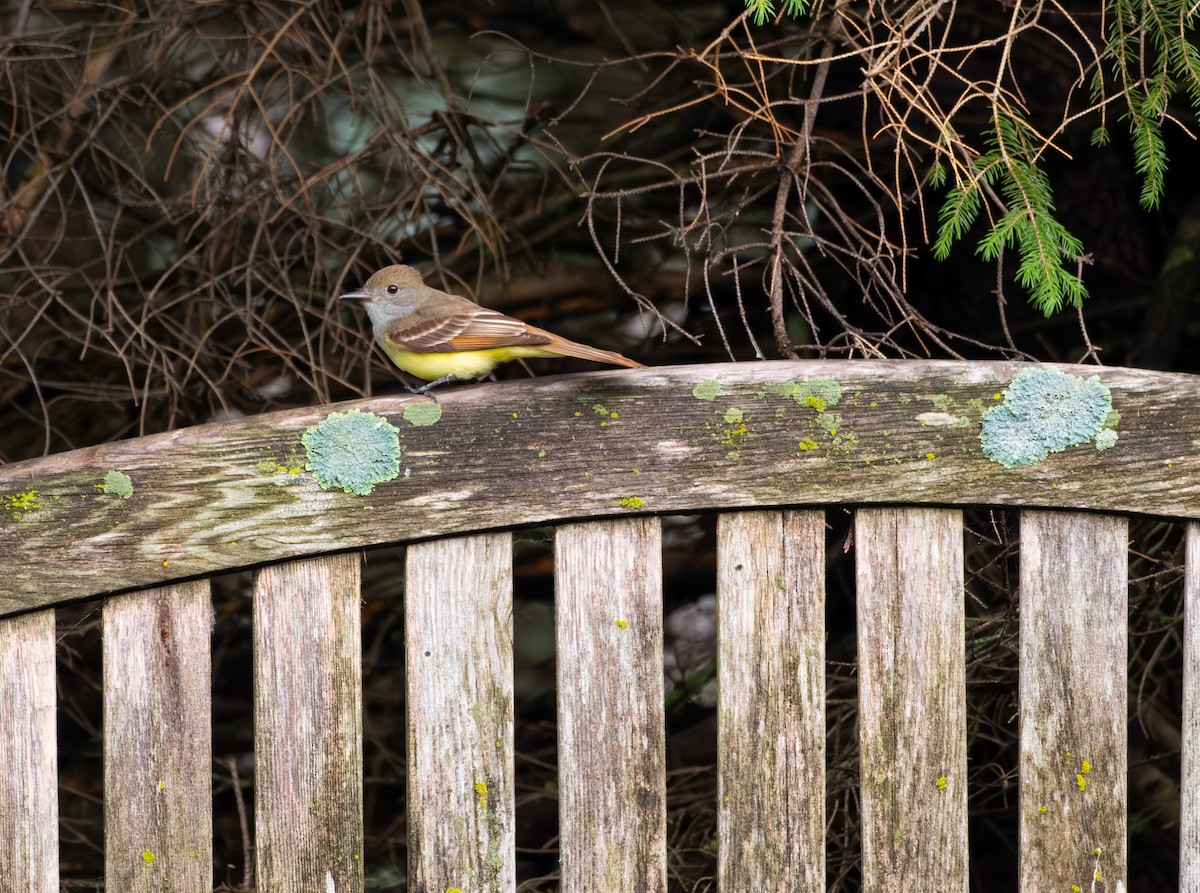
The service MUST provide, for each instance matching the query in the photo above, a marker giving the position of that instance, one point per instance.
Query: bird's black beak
(359, 295)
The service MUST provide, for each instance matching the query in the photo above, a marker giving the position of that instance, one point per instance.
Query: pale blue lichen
(1044, 411)
(116, 483)
(352, 451)
(423, 414)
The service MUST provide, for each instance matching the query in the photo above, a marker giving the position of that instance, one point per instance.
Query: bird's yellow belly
(463, 364)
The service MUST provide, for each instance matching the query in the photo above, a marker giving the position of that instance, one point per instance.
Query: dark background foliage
(185, 186)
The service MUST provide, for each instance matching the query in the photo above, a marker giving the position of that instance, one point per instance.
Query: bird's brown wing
(465, 327)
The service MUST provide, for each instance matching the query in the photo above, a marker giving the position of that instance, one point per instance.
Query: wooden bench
(770, 446)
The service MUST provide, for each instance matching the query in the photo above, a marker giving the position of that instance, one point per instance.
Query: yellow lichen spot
(997, 396)
(815, 402)
(578, 414)
(930, 456)
(1075, 888)
(148, 857)
(21, 504)
(162, 785)
(233, 542)
(1097, 851)
(1041, 810)
(807, 444)
(1097, 876)
(1085, 767)
(166, 563)
(623, 624)
(454, 890)
(604, 424)
(612, 415)
(1080, 782)
(632, 502)
(1067, 755)
(941, 783)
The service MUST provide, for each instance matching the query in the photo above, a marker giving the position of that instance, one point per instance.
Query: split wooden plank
(158, 739)
(912, 699)
(308, 801)
(28, 754)
(458, 641)
(611, 732)
(771, 666)
(1073, 695)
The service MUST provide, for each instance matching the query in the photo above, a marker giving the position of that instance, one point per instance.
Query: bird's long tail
(567, 348)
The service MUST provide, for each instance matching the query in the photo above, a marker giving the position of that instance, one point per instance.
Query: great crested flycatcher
(439, 337)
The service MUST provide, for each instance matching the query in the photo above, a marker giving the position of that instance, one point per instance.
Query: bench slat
(308, 803)
(771, 664)
(1189, 770)
(458, 642)
(912, 704)
(611, 740)
(28, 754)
(1073, 660)
(158, 739)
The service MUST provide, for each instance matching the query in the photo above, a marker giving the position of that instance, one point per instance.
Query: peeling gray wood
(771, 664)
(1189, 770)
(611, 735)
(158, 740)
(235, 494)
(912, 699)
(458, 647)
(1073, 762)
(308, 802)
(29, 755)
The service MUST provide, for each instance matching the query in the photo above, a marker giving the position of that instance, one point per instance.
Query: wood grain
(1073, 762)
(771, 713)
(28, 755)
(458, 642)
(158, 740)
(308, 802)
(604, 444)
(1189, 769)
(611, 733)
(912, 699)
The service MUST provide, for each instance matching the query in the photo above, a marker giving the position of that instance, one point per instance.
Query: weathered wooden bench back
(768, 446)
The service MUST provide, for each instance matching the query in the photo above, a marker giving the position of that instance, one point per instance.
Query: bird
(439, 337)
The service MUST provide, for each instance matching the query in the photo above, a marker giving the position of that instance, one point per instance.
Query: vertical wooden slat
(611, 737)
(308, 726)
(1189, 770)
(771, 665)
(458, 643)
(912, 701)
(1073, 664)
(158, 739)
(28, 754)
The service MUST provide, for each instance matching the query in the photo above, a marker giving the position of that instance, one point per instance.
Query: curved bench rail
(242, 493)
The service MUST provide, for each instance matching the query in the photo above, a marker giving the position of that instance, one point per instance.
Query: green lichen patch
(1045, 411)
(18, 505)
(353, 451)
(707, 390)
(815, 393)
(116, 483)
(632, 502)
(422, 414)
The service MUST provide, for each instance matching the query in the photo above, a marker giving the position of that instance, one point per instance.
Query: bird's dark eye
(392, 289)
